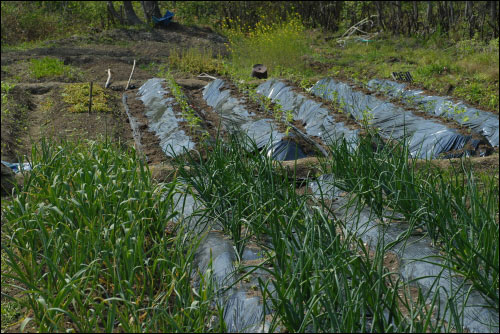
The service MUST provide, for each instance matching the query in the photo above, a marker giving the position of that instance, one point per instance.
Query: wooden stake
(132, 73)
(109, 78)
(90, 98)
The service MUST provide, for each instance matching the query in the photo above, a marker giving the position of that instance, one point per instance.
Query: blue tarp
(165, 20)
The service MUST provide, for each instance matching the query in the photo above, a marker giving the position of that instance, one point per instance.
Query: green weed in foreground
(87, 245)
(48, 67)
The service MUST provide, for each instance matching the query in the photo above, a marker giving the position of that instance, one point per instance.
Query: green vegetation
(467, 70)
(86, 242)
(325, 279)
(48, 67)
(280, 46)
(192, 119)
(6, 88)
(28, 21)
(77, 96)
(196, 61)
(458, 210)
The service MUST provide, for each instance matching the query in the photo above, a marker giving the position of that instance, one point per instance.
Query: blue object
(16, 167)
(165, 20)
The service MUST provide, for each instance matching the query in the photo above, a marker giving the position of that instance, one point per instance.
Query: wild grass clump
(196, 61)
(77, 96)
(88, 245)
(280, 46)
(48, 67)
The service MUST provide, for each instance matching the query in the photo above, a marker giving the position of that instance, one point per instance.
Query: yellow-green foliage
(194, 60)
(77, 95)
(280, 46)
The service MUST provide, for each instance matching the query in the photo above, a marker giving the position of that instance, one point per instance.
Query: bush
(280, 46)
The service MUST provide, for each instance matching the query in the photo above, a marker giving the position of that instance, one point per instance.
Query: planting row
(265, 134)
(481, 122)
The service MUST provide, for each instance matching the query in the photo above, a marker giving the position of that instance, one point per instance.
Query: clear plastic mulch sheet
(236, 118)
(162, 118)
(426, 138)
(243, 308)
(481, 122)
(419, 262)
(315, 119)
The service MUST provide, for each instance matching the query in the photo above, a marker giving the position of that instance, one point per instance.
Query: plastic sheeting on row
(419, 262)
(236, 118)
(242, 312)
(481, 122)
(163, 119)
(316, 119)
(426, 139)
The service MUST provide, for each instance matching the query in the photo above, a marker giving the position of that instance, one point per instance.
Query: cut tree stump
(259, 71)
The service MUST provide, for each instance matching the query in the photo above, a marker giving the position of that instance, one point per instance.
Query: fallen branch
(130, 78)
(204, 75)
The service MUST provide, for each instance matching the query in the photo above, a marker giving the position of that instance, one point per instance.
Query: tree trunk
(494, 18)
(400, 16)
(132, 18)
(112, 13)
(415, 15)
(150, 9)
(380, 15)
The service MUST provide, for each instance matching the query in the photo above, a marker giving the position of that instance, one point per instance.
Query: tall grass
(280, 46)
(89, 248)
(321, 278)
(459, 212)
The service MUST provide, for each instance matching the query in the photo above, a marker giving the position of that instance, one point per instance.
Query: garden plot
(419, 262)
(164, 121)
(481, 122)
(426, 139)
(316, 119)
(236, 118)
(215, 258)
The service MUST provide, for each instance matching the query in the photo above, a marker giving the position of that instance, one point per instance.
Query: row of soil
(397, 102)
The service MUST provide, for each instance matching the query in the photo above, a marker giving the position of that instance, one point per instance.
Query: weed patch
(196, 61)
(48, 67)
(77, 95)
(280, 46)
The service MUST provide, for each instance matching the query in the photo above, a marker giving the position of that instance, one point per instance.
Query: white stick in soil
(109, 79)
(130, 78)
